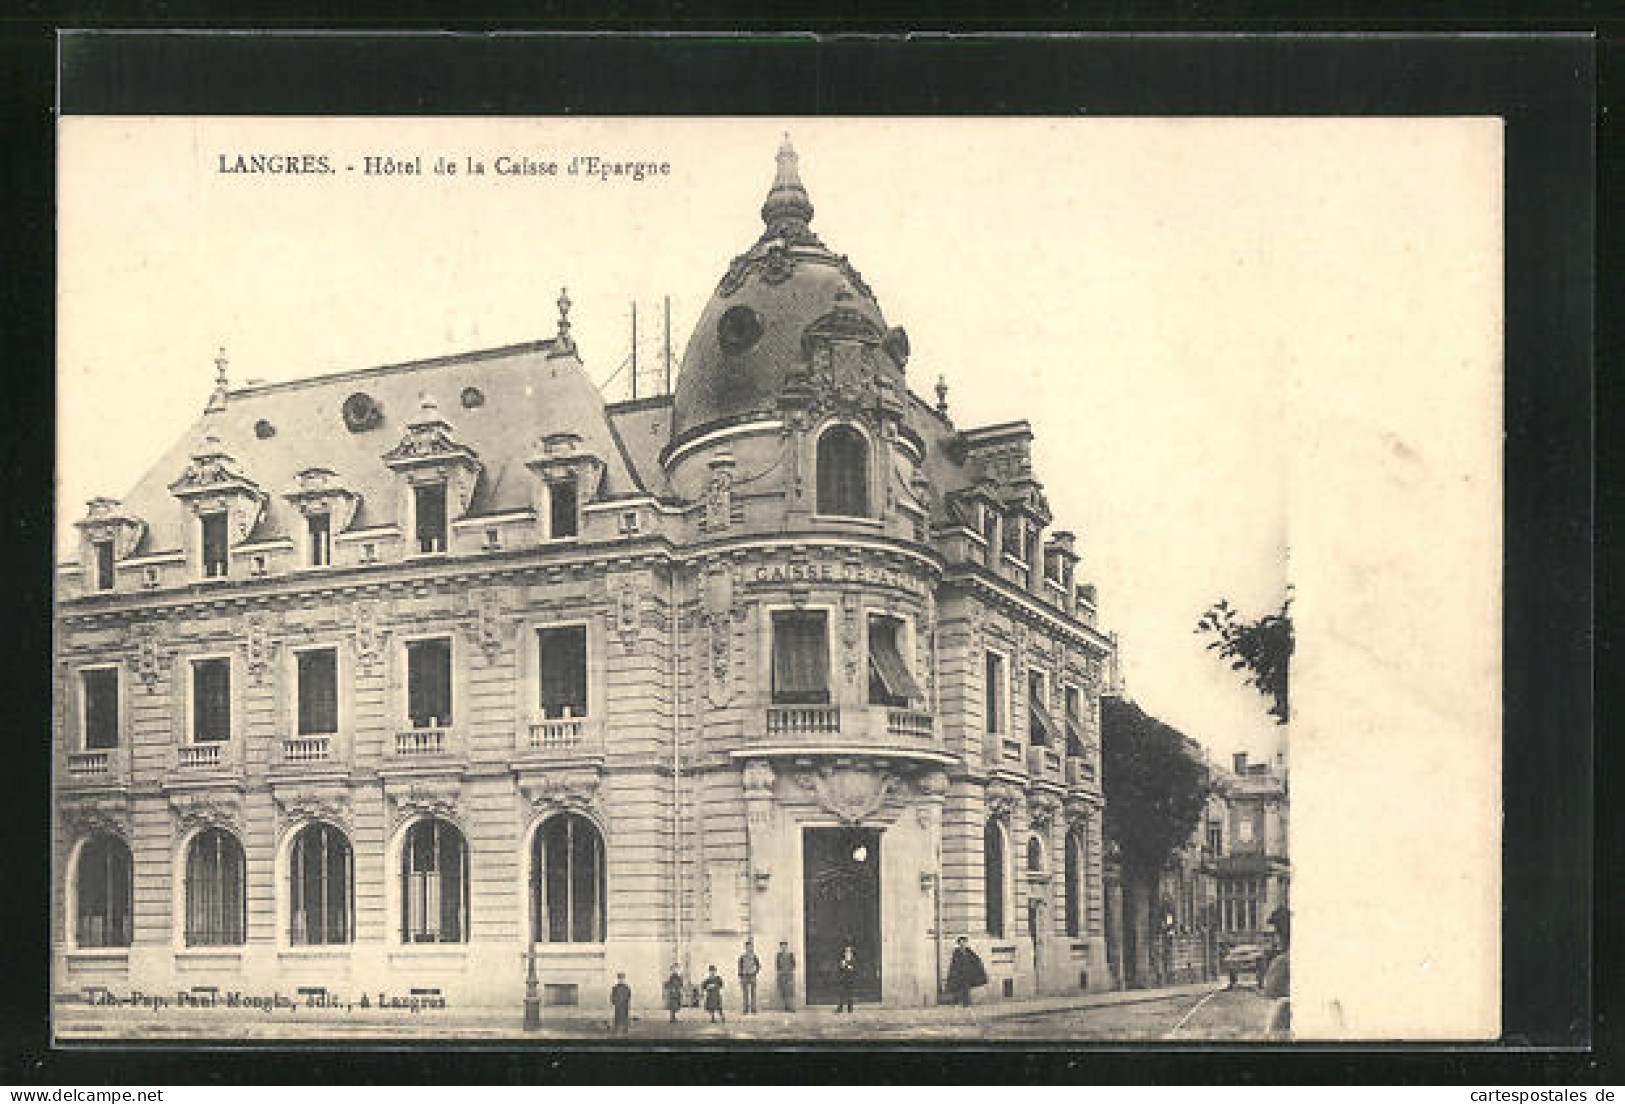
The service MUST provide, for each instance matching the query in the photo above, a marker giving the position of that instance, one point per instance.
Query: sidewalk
(79, 1022)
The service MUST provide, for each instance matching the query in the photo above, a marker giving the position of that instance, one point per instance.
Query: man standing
(749, 967)
(965, 972)
(620, 998)
(846, 977)
(785, 966)
(674, 992)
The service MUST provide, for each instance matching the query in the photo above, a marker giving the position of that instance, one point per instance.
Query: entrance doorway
(842, 895)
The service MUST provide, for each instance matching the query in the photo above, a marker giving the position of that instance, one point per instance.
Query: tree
(1262, 648)
(1156, 783)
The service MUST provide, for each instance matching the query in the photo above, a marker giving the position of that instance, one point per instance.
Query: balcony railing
(910, 724)
(800, 720)
(556, 734)
(1079, 771)
(414, 743)
(307, 749)
(84, 764)
(197, 756)
(1043, 762)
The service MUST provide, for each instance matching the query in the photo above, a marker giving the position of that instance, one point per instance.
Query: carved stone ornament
(441, 798)
(369, 638)
(146, 658)
(849, 793)
(573, 790)
(758, 779)
(720, 508)
(329, 804)
(87, 815)
(193, 809)
(105, 521)
(1041, 813)
(258, 628)
(1002, 801)
(722, 614)
(851, 635)
(483, 623)
(626, 611)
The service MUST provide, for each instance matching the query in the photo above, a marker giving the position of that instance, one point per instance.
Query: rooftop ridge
(465, 357)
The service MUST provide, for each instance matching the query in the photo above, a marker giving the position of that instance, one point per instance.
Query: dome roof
(749, 337)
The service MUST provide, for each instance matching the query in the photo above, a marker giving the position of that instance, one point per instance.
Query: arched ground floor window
(567, 881)
(321, 877)
(434, 883)
(1074, 883)
(103, 896)
(214, 890)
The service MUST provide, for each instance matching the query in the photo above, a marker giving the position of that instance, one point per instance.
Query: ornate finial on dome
(942, 395)
(563, 343)
(787, 210)
(217, 400)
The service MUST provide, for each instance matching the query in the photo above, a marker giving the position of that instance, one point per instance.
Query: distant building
(1246, 835)
(382, 680)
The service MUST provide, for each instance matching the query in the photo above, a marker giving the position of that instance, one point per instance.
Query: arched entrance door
(842, 902)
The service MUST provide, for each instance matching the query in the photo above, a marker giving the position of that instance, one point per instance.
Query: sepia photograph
(670, 580)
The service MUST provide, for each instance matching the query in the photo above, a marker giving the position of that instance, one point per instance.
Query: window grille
(434, 884)
(320, 875)
(214, 890)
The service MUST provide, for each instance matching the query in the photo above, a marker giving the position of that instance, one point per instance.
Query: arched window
(320, 884)
(843, 472)
(1035, 856)
(1074, 884)
(993, 876)
(214, 890)
(567, 881)
(434, 884)
(104, 897)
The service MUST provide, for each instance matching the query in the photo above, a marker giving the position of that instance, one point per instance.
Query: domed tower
(792, 388)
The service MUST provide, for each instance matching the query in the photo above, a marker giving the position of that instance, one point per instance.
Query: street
(1191, 1013)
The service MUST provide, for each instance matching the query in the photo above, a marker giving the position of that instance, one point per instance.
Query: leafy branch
(1262, 649)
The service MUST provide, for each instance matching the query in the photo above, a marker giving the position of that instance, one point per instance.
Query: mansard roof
(499, 402)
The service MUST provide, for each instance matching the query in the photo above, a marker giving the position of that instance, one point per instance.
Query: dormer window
(429, 501)
(320, 527)
(843, 473)
(103, 551)
(562, 514)
(216, 548)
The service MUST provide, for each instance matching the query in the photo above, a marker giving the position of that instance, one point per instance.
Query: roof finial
(942, 395)
(217, 400)
(563, 341)
(787, 210)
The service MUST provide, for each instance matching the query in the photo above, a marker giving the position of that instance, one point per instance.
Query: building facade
(1246, 850)
(381, 681)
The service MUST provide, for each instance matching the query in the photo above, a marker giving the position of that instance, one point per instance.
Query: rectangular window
(1040, 726)
(561, 508)
(101, 707)
(990, 531)
(211, 700)
(890, 682)
(1215, 838)
(430, 501)
(993, 693)
(563, 657)
(318, 692)
(215, 550)
(1013, 528)
(428, 683)
(321, 539)
(800, 658)
(104, 564)
(1074, 722)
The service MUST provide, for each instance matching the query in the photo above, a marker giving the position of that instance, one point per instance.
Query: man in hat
(749, 967)
(784, 965)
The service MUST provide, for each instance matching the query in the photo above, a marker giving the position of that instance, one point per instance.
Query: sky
(1146, 292)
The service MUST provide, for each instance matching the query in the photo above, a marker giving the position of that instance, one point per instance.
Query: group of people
(965, 972)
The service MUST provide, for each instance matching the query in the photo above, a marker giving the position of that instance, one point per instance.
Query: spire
(787, 210)
(217, 400)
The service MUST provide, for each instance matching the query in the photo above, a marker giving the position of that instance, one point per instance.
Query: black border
(1543, 87)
